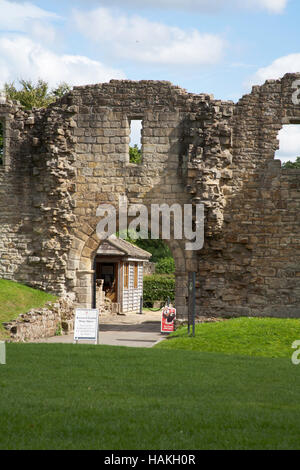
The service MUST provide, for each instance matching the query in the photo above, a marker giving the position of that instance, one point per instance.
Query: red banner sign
(168, 316)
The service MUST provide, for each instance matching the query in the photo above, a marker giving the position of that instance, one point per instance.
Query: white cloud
(136, 38)
(289, 139)
(17, 16)
(20, 57)
(25, 17)
(43, 32)
(286, 64)
(272, 6)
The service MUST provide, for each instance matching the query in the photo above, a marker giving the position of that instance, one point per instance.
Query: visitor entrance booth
(119, 267)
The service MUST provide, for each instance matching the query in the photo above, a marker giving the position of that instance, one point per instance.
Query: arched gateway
(62, 162)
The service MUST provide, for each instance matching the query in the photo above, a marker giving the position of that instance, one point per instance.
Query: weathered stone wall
(35, 196)
(66, 160)
(149, 268)
(253, 267)
(15, 193)
(55, 318)
(104, 171)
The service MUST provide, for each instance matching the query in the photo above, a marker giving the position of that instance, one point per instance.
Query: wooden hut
(119, 269)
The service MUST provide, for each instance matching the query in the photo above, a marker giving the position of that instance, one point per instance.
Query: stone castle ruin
(61, 162)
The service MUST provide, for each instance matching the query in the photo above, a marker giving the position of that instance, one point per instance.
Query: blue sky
(221, 47)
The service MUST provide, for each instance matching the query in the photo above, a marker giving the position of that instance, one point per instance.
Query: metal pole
(191, 302)
(141, 305)
(194, 300)
(190, 287)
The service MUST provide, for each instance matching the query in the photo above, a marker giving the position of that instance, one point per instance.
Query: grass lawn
(16, 298)
(65, 396)
(264, 337)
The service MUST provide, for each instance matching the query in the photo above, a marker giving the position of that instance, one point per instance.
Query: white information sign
(2, 353)
(86, 324)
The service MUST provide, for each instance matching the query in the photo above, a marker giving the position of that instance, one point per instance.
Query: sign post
(168, 316)
(191, 301)
(2, 352)
(86, 325)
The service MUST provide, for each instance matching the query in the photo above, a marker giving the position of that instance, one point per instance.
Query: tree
(165, 266)
(62, 89)
(158, 248)
(32, 95)
(290, 164)
(36, 95)
(135, 155)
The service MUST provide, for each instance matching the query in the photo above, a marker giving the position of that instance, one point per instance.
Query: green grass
(264, 337)
(99, 397)
(16, 298)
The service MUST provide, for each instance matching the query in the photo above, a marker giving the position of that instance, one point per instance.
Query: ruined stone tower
(61, 162)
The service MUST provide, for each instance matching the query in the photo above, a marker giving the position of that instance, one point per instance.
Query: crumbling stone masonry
(56, 318)
(62, 162)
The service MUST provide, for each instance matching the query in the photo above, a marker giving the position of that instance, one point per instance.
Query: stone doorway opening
(118, 269)
(107, 272)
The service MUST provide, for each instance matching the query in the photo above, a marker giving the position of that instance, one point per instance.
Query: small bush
(158, 287)
(165, 266)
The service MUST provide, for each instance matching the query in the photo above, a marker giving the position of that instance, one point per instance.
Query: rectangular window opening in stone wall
(135, 144)
(289, 145)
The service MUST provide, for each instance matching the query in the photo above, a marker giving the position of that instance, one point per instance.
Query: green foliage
(135, 155)
(157, 248)
(61, 90)
(290, 164)
(58, 331)
(165, 266)
(158, 287)
(35, 95)
(32, 96)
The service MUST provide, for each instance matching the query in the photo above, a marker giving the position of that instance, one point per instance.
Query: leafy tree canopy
(290, 164)
(30, 96)
(135, 154)
(158, 248)
(165, 266)
(37, 95)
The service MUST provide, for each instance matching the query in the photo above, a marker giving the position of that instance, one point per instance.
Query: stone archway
(81, 268)
(85, 245)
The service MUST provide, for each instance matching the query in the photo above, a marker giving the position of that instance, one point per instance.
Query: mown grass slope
(264, 337)
(17, 298)
(65, 396)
